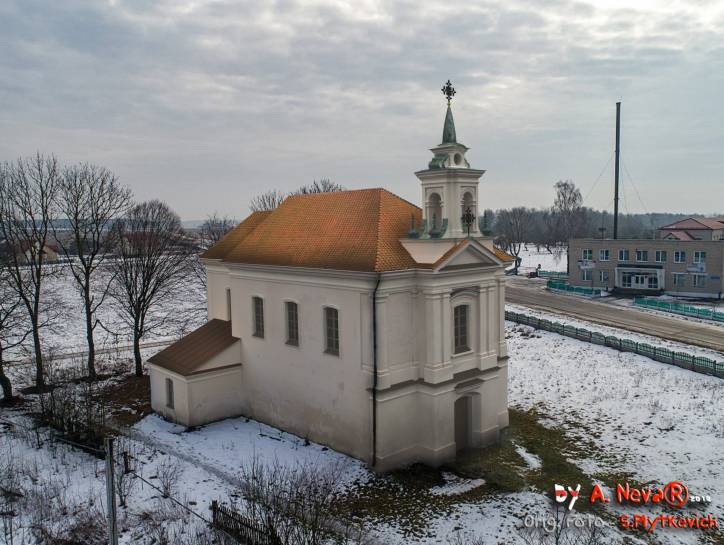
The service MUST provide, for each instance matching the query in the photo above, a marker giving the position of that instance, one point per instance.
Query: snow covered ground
(549, 261)
(67, 333)
(621, 333)
(623, 414)
(626, 414)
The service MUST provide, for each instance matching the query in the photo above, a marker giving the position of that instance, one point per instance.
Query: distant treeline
(629, 225)
(567, 218)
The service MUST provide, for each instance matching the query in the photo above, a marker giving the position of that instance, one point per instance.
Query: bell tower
(449, 186)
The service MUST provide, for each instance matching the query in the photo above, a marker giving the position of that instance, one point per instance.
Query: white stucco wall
(300, 388)
(328, 398)
(198, 399)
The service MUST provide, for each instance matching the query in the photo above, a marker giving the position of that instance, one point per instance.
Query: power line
(625, 168)
(599, 176)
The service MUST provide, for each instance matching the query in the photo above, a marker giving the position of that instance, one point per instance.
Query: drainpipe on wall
(374, 370)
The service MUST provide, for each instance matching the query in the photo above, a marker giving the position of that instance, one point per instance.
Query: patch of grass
(404, 498)
(130, 398)
(500, 465)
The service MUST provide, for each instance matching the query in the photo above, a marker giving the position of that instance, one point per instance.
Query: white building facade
(356, 320)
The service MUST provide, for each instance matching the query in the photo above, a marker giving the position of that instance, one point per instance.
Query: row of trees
(567, 218)
(269, 200)
(130, 254)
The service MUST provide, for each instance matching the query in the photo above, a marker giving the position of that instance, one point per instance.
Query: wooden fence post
(111, 493)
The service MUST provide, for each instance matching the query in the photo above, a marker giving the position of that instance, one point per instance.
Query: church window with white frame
(331, 331)
(258, 309)
(460, 328)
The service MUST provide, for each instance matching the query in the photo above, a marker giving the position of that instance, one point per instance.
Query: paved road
(532, 294)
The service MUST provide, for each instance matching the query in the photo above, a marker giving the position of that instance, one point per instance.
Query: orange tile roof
(357, 230)
(503, 255)
(236, 235)
(346, 230)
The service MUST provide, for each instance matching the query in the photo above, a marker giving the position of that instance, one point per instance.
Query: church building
(355, 319)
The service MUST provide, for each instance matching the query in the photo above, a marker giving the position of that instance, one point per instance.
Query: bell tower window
(434, 212)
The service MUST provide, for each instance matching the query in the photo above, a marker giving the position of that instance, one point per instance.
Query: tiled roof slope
(503, 255)
(345, 230)
(190, 352)
(236, 235)
(696, 223)
(356, 230)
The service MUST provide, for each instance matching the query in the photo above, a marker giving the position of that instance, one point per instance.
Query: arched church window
(434, 212)
(468, 202)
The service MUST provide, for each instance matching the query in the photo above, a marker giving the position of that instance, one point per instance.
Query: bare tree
(214, 229)
(91, 199)
(28, 192)
(273, 198)
(568, 207)
(268, 200)
(13, 325)
(513, 226)
(325, 185)
(152, 263)
(211, 231)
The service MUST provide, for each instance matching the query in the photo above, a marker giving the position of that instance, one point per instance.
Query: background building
(693, 229)
(692, 268)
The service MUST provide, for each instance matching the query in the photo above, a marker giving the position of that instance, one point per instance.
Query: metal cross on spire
(449, 91)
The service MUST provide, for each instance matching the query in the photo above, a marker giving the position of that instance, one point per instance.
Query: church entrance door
(463, 429)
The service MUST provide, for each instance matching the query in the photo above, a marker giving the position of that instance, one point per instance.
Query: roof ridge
(377, 232)
(395, 195)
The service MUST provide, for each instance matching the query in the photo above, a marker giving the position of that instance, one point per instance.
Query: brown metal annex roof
(189, 353)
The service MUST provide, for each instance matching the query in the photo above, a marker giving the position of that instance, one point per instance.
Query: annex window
(603, 255)
(258, 308)
(679, 257)
(653, 282)
(660, 256)
(642, 255)
(603, 276)
(626, 279)
(699, 280)
(169, 393)
(228, 303)
(699, 257)
(292, 323)
(588, 254)
(586, 274)
(331, 331)
(679, 279)
(460, 328)
(623, 255)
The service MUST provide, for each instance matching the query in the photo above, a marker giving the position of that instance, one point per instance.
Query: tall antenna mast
(618, 154)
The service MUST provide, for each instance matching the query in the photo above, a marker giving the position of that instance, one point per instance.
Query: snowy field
(621, 415)
(557, 260)
(185, 311)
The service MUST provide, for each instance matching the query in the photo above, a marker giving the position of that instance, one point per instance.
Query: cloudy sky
(205, 103)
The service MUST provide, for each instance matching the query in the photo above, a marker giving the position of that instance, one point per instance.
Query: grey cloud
(238, 96)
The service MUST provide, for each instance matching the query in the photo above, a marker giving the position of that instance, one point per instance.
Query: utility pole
(111, 493)
(618, 154)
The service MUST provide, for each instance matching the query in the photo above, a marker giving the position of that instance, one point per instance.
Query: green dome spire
(448, 130)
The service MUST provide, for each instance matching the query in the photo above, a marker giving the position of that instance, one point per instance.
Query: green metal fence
(664, 355)
(680, 308)
(552, 274)
(562, 285)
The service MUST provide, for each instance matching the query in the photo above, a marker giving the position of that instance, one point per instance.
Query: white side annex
(354, 319)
